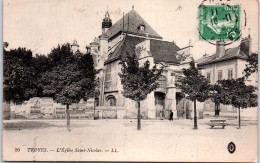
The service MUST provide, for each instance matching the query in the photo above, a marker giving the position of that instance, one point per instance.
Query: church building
(132, 34)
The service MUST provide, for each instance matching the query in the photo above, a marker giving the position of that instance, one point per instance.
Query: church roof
(130, 23)
(162, 51)
(231, 53)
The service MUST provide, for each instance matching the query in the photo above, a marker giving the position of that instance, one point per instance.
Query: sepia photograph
(129, 80)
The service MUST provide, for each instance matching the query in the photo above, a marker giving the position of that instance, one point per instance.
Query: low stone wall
(109, 112)
(52, 113)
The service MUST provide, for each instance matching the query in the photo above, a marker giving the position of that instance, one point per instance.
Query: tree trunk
(68, 117)
(138, 116)
(195, 116)
(217, 109)
(238, 117)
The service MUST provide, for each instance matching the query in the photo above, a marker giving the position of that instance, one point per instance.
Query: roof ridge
(130, 22)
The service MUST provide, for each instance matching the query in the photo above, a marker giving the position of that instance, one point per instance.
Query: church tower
(74, 46)
(107, 23)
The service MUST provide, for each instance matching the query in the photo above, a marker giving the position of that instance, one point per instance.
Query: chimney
(220, 49)
(147, 42)
(246, 45)
(147, 35)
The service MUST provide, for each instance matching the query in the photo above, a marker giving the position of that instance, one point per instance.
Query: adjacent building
(227, 63)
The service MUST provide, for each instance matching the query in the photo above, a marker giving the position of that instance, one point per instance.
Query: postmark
(219, 22)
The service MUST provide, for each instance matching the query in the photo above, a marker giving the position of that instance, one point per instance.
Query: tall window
(208, 76)
(220, 75)
(111, 77)
(108, 78)
(230, 73)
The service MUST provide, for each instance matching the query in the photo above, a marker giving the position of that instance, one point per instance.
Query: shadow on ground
(27, 125)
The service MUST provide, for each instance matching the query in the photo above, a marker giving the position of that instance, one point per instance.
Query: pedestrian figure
(171, 116)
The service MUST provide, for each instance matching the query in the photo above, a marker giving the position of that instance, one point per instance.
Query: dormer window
(141, 27)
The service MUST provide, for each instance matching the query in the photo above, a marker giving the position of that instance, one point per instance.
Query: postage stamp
(219, 22)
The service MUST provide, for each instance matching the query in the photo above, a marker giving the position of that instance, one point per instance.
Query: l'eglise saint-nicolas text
(67, 150)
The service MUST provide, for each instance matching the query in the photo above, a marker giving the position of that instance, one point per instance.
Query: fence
(109, 112)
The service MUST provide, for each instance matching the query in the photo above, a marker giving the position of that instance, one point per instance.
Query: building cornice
(221, 60)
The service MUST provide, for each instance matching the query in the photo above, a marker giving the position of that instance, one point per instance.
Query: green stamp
(219, 22)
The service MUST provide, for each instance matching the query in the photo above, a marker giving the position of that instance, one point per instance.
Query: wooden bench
(218, 122)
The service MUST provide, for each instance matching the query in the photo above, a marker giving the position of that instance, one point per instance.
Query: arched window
(162, 81)
(111, 100)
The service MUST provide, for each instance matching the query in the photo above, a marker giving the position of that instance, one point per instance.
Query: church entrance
(110, 112)
(159, 105)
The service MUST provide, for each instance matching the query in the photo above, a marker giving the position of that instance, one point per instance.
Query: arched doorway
(159, 105)
(111, 100)
(110, 112)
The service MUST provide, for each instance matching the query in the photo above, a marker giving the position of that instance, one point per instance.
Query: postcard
(150, 80)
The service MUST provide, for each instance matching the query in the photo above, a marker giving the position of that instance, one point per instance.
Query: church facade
(132, 34)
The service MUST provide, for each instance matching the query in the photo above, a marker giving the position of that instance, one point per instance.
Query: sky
(40, 25)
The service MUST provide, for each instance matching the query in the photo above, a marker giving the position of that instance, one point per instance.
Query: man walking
(171, 116)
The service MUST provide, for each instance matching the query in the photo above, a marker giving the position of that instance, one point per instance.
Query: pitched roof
(231, 53)
(126, 45)
(130, 23)
(162, 51)
(205, 58)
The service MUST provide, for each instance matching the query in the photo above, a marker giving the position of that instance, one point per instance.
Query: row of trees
(228, 92)
(69, 77)
(139, 80)
(65, 76)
